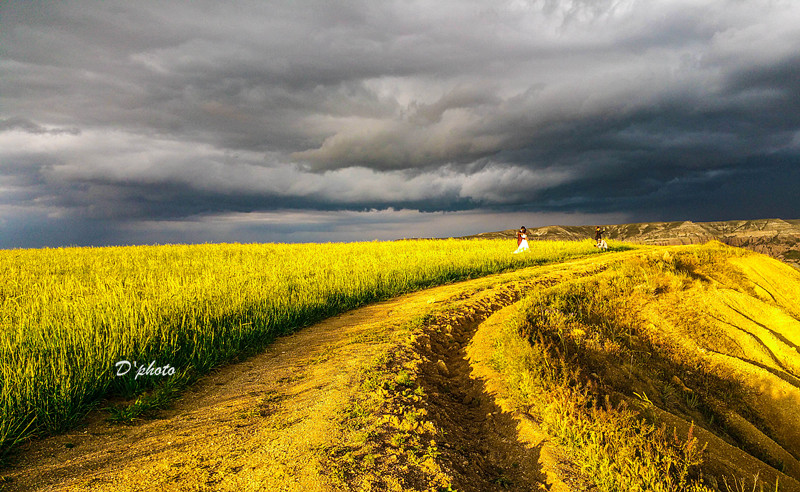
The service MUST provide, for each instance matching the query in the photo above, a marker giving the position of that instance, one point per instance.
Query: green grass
(68, 315)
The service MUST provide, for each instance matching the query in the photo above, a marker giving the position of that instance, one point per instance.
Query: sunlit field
(69, 315)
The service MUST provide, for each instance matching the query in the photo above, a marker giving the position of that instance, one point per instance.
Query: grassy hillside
(67, 316)
(635, 369)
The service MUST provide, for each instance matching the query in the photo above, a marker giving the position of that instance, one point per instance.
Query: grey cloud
(25, 125)
(35, 229)
(123, 111)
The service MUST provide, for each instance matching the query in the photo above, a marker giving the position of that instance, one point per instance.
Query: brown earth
(773, 237)
(399, 395)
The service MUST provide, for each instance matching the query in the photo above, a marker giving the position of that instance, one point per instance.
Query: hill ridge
(776, 237)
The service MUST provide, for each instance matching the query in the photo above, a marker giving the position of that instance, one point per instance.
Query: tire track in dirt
(489, 447)
(477, 444)
(483, 447)
(482, 451)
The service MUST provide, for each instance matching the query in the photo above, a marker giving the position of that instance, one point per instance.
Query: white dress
(523, 245)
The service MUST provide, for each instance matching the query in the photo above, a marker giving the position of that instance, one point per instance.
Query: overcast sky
(131, 122)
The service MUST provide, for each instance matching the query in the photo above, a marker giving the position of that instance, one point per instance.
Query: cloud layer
(120, 116)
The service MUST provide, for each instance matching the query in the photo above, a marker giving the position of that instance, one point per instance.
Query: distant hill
(774, 237)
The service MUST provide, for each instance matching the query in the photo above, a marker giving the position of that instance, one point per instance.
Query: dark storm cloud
(119, 113)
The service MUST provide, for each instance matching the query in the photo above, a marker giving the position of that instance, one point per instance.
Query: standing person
(598, 235)
(522, 240)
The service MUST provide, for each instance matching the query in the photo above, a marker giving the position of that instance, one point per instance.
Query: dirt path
(489, 445)
(267, 423)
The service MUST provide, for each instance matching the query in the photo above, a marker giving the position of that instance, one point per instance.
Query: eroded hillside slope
(694, 335)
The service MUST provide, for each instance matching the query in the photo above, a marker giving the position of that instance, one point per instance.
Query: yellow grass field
(68, 315)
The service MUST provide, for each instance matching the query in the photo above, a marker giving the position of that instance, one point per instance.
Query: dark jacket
(598, 234)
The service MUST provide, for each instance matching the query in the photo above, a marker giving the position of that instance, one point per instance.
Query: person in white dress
(522, 240)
